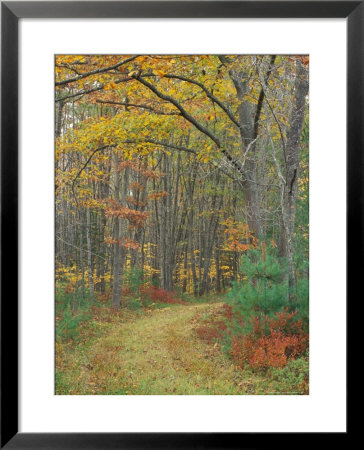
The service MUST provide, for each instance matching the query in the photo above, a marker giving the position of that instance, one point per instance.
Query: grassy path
(154, 353)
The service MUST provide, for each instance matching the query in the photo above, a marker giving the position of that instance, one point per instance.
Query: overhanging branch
(95, 72)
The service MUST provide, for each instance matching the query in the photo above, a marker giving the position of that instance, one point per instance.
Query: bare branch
(184, 113)
(94, 72)
(94, 89)
(209, 95)
(192, 120)
(79, 248)
(134, 105)
(262, 95)
(99, 149)
(161, 144)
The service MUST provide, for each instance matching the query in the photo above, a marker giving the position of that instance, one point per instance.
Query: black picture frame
(11, 12)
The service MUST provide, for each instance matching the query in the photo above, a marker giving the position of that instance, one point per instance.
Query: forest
(182, 224)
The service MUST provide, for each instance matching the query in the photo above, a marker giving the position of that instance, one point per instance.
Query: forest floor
(156, 351)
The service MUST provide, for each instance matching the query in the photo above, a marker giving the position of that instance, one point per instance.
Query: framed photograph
(181, 221)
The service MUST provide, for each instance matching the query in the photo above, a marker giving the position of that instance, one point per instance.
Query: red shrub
(159, 295)
(215, 326)
(227, 312)
(285, 340)
(220, 325)
(126, 290)
(207, 333)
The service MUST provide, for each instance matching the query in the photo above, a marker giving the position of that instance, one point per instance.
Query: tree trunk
(123, 231)
(290, 187)
(81, 256)
(116, 239)
(89, 257)
(247, 112)
(59, 110)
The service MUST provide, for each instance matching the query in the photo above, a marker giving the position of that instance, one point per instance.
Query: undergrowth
(258, 328)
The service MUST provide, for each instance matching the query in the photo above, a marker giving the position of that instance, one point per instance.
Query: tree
(154, 154)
